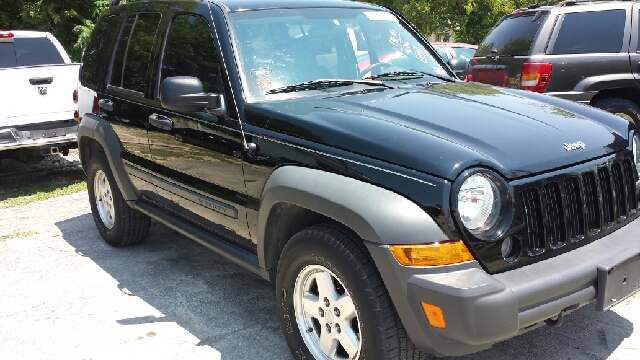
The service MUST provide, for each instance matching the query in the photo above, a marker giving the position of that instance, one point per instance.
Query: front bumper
(481, 309)
(38, 135)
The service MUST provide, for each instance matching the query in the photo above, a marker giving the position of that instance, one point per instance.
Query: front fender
(376, 214)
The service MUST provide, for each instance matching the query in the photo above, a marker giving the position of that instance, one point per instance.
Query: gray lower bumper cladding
(482, 309)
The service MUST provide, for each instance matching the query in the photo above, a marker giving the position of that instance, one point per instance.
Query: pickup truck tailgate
(38, 94)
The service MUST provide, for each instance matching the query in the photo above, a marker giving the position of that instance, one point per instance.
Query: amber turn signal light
(433, 254)
(434, 315)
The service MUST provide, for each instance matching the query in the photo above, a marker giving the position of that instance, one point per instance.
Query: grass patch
(28, 188)
(17, 235)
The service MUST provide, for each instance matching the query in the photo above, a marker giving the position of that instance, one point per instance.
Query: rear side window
(590, 32)
(98, 52)
(513, 36)
(133, 53)
(29, 52)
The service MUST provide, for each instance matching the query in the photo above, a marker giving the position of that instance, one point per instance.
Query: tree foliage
(71, 21)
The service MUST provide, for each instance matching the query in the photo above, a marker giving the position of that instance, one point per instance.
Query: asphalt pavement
(65, 294)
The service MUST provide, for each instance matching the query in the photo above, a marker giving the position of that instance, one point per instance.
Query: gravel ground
(65, 294)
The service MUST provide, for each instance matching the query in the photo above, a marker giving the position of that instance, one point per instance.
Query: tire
(326, 264)
(622, 107)
(118, 224)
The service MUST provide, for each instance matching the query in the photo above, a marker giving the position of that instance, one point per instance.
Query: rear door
(498, 60)
(589, 51)
(123, 102)
(634, 50)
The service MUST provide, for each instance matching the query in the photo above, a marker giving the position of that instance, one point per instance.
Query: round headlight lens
(479, 203)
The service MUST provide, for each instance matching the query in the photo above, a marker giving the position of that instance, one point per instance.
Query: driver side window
(190, 51)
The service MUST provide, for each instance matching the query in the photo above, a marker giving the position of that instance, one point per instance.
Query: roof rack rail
(114, 3)
(575, 2)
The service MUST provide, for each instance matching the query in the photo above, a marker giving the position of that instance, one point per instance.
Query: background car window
(97, 52)
(442, 53)
(590, 32)
(190, 51)
(513, 36)
(29, 52)
(133, 53)
(464, 53)
(7, 55)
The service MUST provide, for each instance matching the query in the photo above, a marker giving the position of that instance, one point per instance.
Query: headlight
(484, 205)
(636, 152)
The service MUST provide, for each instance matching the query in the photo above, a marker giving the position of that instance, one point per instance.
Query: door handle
(106, 105)
(41, 80)
(161, 122)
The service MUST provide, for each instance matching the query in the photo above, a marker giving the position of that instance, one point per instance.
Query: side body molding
(374, 213)
(98, 129)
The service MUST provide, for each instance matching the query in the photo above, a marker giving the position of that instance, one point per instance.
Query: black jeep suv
(581, 51)
(326, 147)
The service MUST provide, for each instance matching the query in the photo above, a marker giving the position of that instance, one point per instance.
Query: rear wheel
(622, 107)
(332, 301)
(118, 224)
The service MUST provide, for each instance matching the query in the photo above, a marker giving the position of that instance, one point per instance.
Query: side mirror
(186, 94)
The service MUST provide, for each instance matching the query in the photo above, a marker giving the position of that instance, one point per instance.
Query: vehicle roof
(27, 33)
(571, 4)
(453, 44)
(243, 5)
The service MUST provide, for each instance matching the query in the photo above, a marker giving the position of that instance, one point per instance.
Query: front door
(197, 155)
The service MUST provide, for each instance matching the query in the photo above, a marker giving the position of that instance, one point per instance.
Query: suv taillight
(5, 35)
(535, 76)
(75, 96)
(95, 109)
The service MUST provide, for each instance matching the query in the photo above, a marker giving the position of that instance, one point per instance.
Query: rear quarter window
(29, 52)
(513, 36)
(98, 52)
(590, 32)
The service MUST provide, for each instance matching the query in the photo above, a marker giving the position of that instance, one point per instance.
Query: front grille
(566, 209)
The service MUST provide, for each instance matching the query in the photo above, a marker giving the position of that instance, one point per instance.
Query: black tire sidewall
(305, 250)
(617, 105)
(111, 236)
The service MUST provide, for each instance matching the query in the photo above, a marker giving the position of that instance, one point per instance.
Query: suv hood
(445, 128)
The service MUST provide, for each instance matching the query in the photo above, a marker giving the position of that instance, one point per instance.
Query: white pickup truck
(37, 83)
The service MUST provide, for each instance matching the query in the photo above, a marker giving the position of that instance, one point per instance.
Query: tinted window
(190, 51)
(590, 32)
(7, 56)
(99, 49)
(513, 36)
(464, 53)
(133, 53)
(29, 52)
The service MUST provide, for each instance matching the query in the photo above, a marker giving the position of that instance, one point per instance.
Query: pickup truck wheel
(332, 301)
(622, 107)
(118, 224)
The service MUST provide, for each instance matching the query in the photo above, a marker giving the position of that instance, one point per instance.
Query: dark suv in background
(581, 51)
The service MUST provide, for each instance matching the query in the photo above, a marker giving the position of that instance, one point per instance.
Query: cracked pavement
(65, 294)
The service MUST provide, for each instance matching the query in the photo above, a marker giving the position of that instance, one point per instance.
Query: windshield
(464, 53)
(279, 48)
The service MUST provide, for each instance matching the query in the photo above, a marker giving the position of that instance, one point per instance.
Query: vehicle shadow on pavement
(225, 306)
(233, 310)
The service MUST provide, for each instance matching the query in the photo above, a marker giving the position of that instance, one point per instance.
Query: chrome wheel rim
(326, 315)
(104, 199)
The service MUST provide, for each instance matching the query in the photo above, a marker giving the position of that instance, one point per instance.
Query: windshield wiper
(321, 84)
(410, 74)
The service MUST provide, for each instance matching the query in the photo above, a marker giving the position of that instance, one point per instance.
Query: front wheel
(332, 301)
(118, 224)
